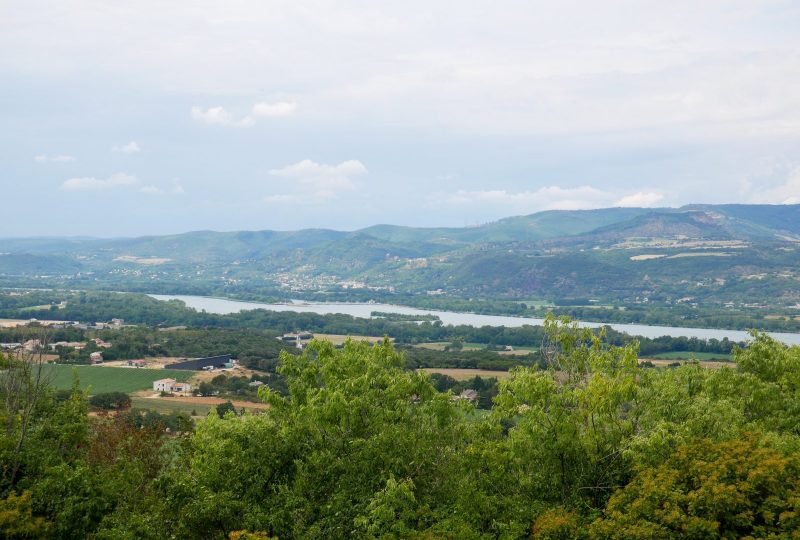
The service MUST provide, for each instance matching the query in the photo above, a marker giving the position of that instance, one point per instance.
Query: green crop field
(111, 379)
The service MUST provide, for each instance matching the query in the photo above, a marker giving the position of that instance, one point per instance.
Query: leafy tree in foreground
(356, 437)
(734, 489)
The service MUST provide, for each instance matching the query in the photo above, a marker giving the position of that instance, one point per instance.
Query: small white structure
(469, 394)
(96, 358)
(181, 388)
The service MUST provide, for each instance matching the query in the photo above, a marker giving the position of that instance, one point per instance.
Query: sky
(138, 118)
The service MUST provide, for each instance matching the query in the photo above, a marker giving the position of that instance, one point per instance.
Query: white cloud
(282, 199)
(92, 183)
(220, 116)
(325, 181)
(213, 115)
(787, 192)
(274, 110)
(551, 198)
(247, 121)
(55, 159)
(130, 148)
(640, 199)
(727, 67)
(545, 198)
(176, 189)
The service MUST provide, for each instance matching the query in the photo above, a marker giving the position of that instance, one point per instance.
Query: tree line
(142, 309)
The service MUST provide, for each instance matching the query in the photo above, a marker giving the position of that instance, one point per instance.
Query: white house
(163, 385)
(171, 385)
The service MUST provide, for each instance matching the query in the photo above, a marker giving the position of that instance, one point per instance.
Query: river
(223, 306)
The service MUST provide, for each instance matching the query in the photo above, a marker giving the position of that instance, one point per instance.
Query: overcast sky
(132, 118)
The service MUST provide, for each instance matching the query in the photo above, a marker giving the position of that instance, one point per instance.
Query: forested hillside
(732, 256)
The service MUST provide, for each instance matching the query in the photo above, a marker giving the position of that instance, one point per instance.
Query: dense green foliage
(587, 446)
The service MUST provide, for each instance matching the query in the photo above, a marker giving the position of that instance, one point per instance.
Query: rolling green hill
(710, 253)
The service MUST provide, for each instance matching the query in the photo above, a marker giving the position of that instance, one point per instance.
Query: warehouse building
(197, 364)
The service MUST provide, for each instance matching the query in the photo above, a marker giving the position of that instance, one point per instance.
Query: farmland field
(710, 364)
(466, 373)
(339, 339)
(189, 403)
(109, 379)
(680, 355)
(166, 406)
(440, 346)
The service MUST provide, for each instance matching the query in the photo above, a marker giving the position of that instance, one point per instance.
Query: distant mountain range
(720, 253)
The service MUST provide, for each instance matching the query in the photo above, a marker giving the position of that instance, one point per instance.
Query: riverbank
(224, 306)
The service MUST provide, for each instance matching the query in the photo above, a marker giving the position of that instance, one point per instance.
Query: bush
(110, 400)
(222, 408)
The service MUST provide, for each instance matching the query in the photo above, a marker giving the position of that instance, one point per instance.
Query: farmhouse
(171, 385)
(32, 345)
(96, 358)
(100, 343)
(163, 385)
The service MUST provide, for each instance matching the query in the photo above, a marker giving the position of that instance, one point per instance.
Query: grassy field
(110, 379)
(464, 374)
(680, 355)
(440, 345)
(165, 406)
(709, 364)
(339, 339)
(199, 405)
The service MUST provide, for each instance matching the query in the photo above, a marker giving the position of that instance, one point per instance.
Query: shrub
(110, 400)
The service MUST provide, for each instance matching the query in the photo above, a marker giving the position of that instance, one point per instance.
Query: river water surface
(223, 306)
